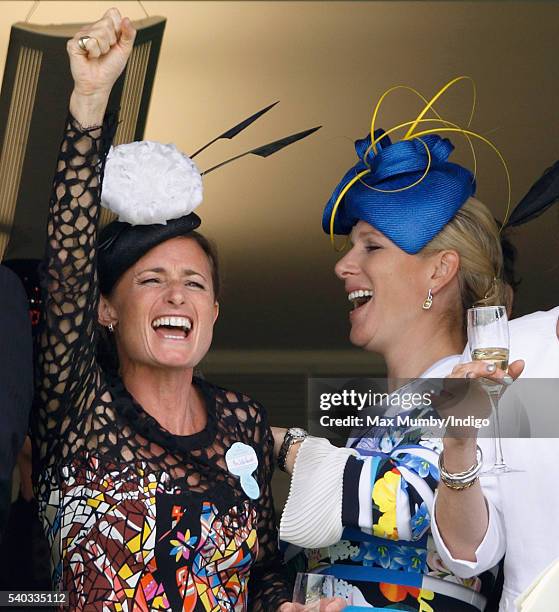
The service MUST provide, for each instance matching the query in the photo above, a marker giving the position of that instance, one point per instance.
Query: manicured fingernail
(507, 379)
(491, 367)
(470, 375)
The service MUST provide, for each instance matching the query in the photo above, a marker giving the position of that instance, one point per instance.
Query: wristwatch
(292, 435)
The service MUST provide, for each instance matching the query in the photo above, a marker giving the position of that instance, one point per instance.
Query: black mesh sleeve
(67, 373)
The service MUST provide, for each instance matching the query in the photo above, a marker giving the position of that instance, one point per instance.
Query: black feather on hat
(122, 244)
(541, 195)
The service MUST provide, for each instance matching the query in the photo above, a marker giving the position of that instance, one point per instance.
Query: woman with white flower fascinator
(153, 485)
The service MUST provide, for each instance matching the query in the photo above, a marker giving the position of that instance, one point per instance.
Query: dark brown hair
(211, 253)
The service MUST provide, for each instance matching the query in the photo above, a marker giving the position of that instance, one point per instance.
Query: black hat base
(121, 245)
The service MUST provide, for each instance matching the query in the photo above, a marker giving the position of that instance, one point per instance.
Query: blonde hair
(474, 235)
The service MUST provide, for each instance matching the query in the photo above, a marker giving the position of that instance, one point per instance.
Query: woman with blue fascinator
(423, 250)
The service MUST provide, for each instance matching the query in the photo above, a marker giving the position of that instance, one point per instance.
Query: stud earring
(428, 301)
(111, 327)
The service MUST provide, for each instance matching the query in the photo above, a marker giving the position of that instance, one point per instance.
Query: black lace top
(137, 518)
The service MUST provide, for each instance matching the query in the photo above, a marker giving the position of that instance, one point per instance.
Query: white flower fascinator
(149, 182)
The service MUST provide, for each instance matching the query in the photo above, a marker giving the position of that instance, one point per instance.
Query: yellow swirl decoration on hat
(411, 133)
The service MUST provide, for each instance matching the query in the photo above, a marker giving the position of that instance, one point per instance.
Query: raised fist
(99, 60)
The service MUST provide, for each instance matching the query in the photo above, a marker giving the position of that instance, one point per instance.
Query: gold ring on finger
(82, 42)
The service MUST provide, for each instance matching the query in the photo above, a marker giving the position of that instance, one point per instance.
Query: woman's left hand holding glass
(484, 369)
(462, 516)
(472, 400)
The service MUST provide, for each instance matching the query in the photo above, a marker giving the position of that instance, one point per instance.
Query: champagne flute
(310, 589)
(488, 337)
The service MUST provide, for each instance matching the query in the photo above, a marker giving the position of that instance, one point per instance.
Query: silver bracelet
(461, 480)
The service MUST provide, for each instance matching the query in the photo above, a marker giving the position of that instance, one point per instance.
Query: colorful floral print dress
(386, 557)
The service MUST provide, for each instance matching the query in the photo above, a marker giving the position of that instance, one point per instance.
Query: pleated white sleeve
(312, 516)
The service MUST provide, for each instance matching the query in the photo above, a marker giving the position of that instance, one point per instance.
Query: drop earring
(428, 301)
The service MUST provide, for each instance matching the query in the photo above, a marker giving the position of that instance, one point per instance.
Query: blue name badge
(241, 461)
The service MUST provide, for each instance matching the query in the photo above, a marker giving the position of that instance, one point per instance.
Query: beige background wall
(328, 62)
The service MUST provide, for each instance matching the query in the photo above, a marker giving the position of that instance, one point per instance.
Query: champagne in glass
(497, 355)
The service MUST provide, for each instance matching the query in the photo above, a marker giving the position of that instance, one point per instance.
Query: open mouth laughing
(172, 327)
(360, 297)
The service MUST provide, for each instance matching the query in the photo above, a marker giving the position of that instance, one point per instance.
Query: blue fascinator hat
(408, 189)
